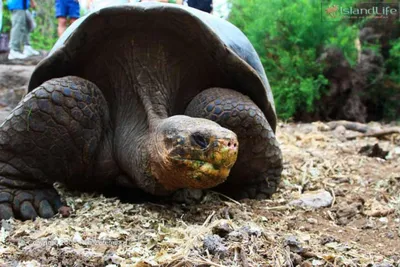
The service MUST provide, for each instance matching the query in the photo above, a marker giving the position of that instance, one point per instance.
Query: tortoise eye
(199, 139)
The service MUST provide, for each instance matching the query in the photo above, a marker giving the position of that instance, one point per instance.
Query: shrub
(289, 36)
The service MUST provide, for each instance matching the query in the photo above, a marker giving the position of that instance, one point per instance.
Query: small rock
(235, 236)
(318, 263)
(222, 229)
(377, 209)
(308, 254)
(368, 225)
(112, 258)
(243, 233)
(373, 151)
(65, 211)
(251, 231)
(384, 220)
(314, 199)
(383, 264)
(6, 225)
(312, 221)
(390, 235)
(296, 259)
(345, 212)
(321, 126)
(306, 264)
(341, 180)
(77, 238)
(394, 154)
(32, 263)
(294, 244)
(339, 192)
(340, 130)
(327, 239)
(214, 244)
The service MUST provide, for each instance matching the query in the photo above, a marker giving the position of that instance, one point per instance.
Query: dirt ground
(352, 217)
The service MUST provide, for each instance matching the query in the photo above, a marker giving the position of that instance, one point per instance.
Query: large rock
(30, 61)
(3, 115)
(313, 199)
(13, 83)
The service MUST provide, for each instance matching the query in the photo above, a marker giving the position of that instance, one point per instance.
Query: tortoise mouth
(201, 162)
(202, 174)
(205, 168)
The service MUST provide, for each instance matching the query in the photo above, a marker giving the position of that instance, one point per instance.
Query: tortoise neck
(155, 113)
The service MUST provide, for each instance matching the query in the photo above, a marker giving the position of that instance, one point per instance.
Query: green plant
(289, 37)
(385, 94)
(45, 34)
(393, 63)
(6, 18)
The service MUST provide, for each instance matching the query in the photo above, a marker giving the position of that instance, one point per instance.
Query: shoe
(16, 55)
(29, 51)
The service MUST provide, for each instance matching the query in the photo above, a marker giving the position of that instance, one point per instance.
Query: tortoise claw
(28, 204)
(45, 209)
(6, 211)
(257, 190)
(27, 211)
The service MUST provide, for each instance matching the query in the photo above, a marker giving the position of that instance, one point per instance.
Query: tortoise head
(192, 153)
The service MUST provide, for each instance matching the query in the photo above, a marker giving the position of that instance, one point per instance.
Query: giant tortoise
(153, 96)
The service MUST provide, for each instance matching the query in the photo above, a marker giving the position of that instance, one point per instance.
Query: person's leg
(62, 25)
(25, 31)
(18, 22)
(61, 15)
(72, 20)
(73, 10)
(28, 50)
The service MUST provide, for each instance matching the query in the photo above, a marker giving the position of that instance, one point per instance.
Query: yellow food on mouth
(204, 174)
(208, 172)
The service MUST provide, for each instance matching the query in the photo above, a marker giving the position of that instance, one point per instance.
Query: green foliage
(385, 94)
(6, 18)
(393, 63)
(45, 34)
(289, 36)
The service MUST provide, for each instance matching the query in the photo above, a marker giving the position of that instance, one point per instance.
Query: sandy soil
(359, 225)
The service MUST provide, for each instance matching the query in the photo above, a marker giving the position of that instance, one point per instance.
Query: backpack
(4, 42)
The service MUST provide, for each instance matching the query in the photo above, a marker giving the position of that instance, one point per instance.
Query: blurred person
(21, 26)
(179, 2)
(66, 9)
(203, 5)
(97, 4)
(1, 14)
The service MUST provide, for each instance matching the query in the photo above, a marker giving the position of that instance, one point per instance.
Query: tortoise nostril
(235, 145)
(229, 144)
(199, 139)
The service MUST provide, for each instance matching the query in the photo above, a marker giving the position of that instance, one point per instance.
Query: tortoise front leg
(257, 171)
(52, 135)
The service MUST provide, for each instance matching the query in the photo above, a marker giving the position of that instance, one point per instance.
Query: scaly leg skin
(52, 135)
(257, 171)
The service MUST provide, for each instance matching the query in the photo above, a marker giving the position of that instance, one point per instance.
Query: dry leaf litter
(335, 207)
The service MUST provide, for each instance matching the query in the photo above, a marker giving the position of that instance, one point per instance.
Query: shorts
(67, 8)
(203, 5)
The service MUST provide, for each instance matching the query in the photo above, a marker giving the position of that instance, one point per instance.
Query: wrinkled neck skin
(136, 146)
